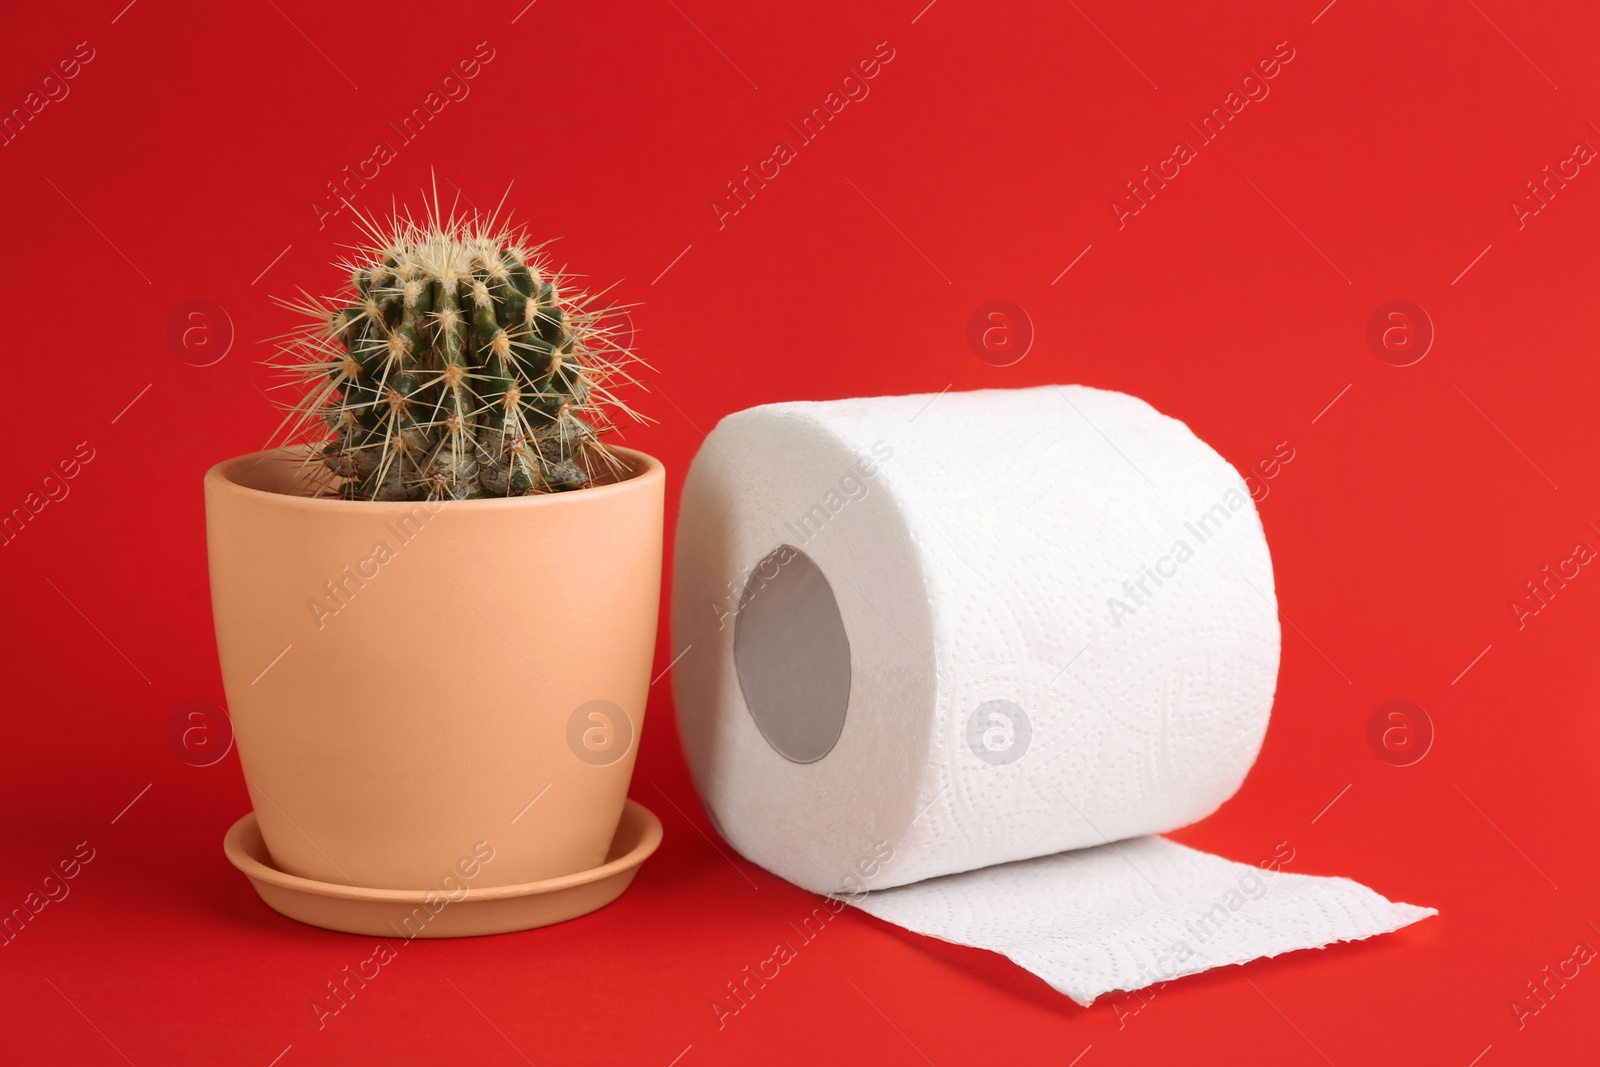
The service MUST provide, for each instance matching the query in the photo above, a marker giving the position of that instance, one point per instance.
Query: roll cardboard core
(792, 655)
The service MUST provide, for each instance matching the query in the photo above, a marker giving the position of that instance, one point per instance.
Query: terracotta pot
(416, 685)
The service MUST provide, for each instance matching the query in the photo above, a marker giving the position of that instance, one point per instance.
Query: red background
(183, 166)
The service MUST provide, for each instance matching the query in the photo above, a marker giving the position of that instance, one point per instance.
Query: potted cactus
(436, 599)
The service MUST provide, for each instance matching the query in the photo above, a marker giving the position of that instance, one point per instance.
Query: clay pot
(416, 685)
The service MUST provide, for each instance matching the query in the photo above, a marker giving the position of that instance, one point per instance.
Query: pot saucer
(410, 913)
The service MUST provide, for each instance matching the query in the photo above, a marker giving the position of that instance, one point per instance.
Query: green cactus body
(460, 367)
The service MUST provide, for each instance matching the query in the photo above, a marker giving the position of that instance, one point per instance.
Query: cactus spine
(459, 367)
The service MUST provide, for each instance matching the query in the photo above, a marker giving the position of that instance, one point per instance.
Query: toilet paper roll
(927, 637)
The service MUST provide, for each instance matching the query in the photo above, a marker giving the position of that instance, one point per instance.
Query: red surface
(188, 152)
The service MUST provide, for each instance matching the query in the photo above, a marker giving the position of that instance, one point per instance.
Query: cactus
(458, 366)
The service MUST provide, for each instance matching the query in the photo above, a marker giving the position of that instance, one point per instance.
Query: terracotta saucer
(411, 913)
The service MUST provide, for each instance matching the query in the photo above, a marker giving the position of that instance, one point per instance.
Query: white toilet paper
(969, 645)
